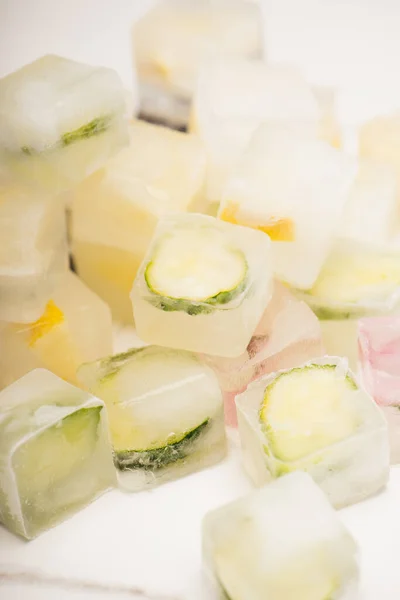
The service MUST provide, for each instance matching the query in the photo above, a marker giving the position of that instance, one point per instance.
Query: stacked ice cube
(228, 308)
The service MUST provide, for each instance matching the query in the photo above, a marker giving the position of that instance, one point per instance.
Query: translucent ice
(33, 252)
(283, 542)
(165, 410)
(172, 41)
(357, 280)
(380, 141)
(115, 211)
(61, 120)
(203, 285)
(379, 353)
(55, 454)
(294, 188)
(232, 98)
(315, 418)
(288, 335)
(75, 327)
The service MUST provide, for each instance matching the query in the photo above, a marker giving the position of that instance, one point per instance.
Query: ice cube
(287, 335)
(294, 188)
(165, 410)
(357, 280)
(315, 418)
(203, 285)
(379, 353)
(75, 327)
(172, 41)
(371, 212)
(380, 141)
(328, 125)
(115, 211)
(33, 251)
(283, 542)
(232, 98)
(55, 452)
(61, 120)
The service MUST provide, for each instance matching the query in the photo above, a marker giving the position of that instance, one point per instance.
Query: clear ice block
(380, 141)
(379, 354)
(357, 280)
(33, 251)
(165, 410)
(203, 285)
(232, 98)
(55, 453)
(115, 211)
(61, 120)
(315, 418)
(371, 212)
(75, 327)
(283, 542)
(173, 40)
(288, 334)
(292, 187)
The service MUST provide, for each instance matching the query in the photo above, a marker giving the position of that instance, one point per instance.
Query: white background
(152, 540)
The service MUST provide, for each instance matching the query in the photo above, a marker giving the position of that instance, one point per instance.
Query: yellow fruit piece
(51, 317)
(279, 230)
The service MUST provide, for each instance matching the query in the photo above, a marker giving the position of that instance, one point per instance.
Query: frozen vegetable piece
(315, 418)
(55, 453)
(203, 285)
(379, 354)
(171, 42)
(357, 280)
(283, 542)
(292, 187)
(33, 251)
(61, 120)
(287, 335)
(165, 410)
(232, 98)
(115, 211)
(75, 327)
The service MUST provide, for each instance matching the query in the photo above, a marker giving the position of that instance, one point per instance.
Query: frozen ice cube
(371, 212)
(283, 542)
(232, 98)
(357, 280)
(165, 410)
(55, 453)
(287, 335)
(379, 354)
(315, 418)
(203, 285)
(61, 120)
(75, 327)
(380, 141)
(173, 40)
(115, 211)
(33, 251)
(294, 188)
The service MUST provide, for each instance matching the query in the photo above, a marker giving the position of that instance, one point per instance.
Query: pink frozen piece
(288, 335)
(379, 353)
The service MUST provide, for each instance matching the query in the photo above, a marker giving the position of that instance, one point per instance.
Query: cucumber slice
(353, 278)
(194, 271)
(94, 127)
(306, 409)
(176, 449)
(51, 456)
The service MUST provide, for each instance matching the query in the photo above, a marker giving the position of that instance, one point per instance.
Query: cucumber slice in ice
(177, 448)
(193, 271)
(51, 456)
(306, 409)
(351, 279)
